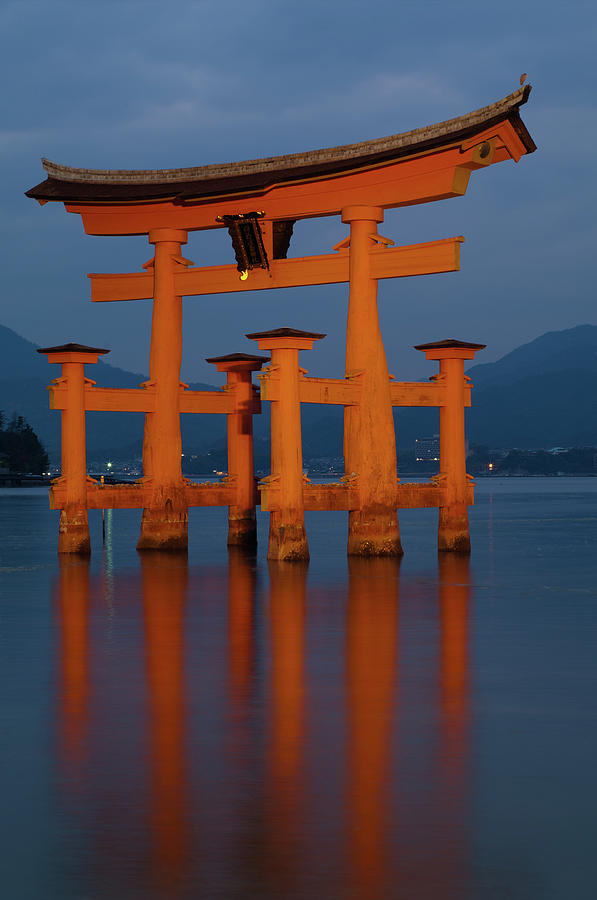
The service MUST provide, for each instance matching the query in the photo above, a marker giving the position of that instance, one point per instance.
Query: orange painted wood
(218, 494)
(430, 258)
(338, 391)
(98, 399)
(164, 523)
(107, 399)
(369, 434)
(315, 497)
(242, 525)
(207, 402)
(422, 393)
(347, 392)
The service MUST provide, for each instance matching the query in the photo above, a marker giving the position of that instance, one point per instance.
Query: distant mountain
(25, 375)
(555, 351)
(543, 394)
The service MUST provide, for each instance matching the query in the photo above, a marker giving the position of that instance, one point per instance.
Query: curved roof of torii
(68, 184)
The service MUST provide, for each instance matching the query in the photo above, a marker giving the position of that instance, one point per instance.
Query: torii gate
(259, 201)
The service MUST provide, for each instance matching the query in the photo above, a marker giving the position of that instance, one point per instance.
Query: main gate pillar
(164, 524)
(369, 437)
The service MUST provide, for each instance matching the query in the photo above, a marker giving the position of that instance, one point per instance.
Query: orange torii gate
(259, 201)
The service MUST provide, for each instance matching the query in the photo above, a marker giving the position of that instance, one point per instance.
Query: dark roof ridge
(72, 348)
(409, 139)
(449, 344)
(285, 332)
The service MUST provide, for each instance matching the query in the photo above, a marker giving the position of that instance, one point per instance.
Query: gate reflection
(401, 744)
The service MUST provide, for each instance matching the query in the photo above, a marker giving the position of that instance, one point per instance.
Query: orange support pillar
(242, 523)
(369, 437)
(453, 531)
(164, 524)
(74, 524)
(287, 536)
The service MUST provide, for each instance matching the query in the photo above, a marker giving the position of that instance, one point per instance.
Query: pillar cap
(175, 235)
(285, 332)
(357, 212)
(450, 349)
(450, 343)
(285, 339)
(247, 362)
(72, 353)
(72, 348)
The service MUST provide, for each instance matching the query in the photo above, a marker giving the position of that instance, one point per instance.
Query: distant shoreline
(34, 481)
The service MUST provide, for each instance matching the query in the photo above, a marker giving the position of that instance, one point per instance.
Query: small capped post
(453, 529)
(287, 536)
(74, 523)
(242, 523)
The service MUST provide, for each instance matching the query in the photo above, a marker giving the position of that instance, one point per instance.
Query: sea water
(222, 727)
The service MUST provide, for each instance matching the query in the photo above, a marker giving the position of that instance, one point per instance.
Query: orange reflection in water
(286, 716)
(241, 643)
(164, 586)
(72, 601)
(454, 599)
(372, 838)
(371, 663)
(287, 625)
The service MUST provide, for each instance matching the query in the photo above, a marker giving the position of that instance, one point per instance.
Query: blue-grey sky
(141, 84)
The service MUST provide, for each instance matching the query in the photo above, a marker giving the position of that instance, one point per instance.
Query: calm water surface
(225, 728)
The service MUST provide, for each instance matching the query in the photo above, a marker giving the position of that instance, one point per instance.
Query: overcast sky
(138, 84)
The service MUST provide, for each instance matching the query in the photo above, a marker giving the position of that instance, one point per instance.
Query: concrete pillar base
(453, 534)
(373, 534)
(287, 541)
(242, 530)
(165, 526)
(73, 535)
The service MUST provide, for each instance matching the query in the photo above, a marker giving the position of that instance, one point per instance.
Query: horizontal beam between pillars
(136, 496)
(346, 497)
(431, 258)
(315, 496)
(143, 400)
(347, 392)
(422, 393)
